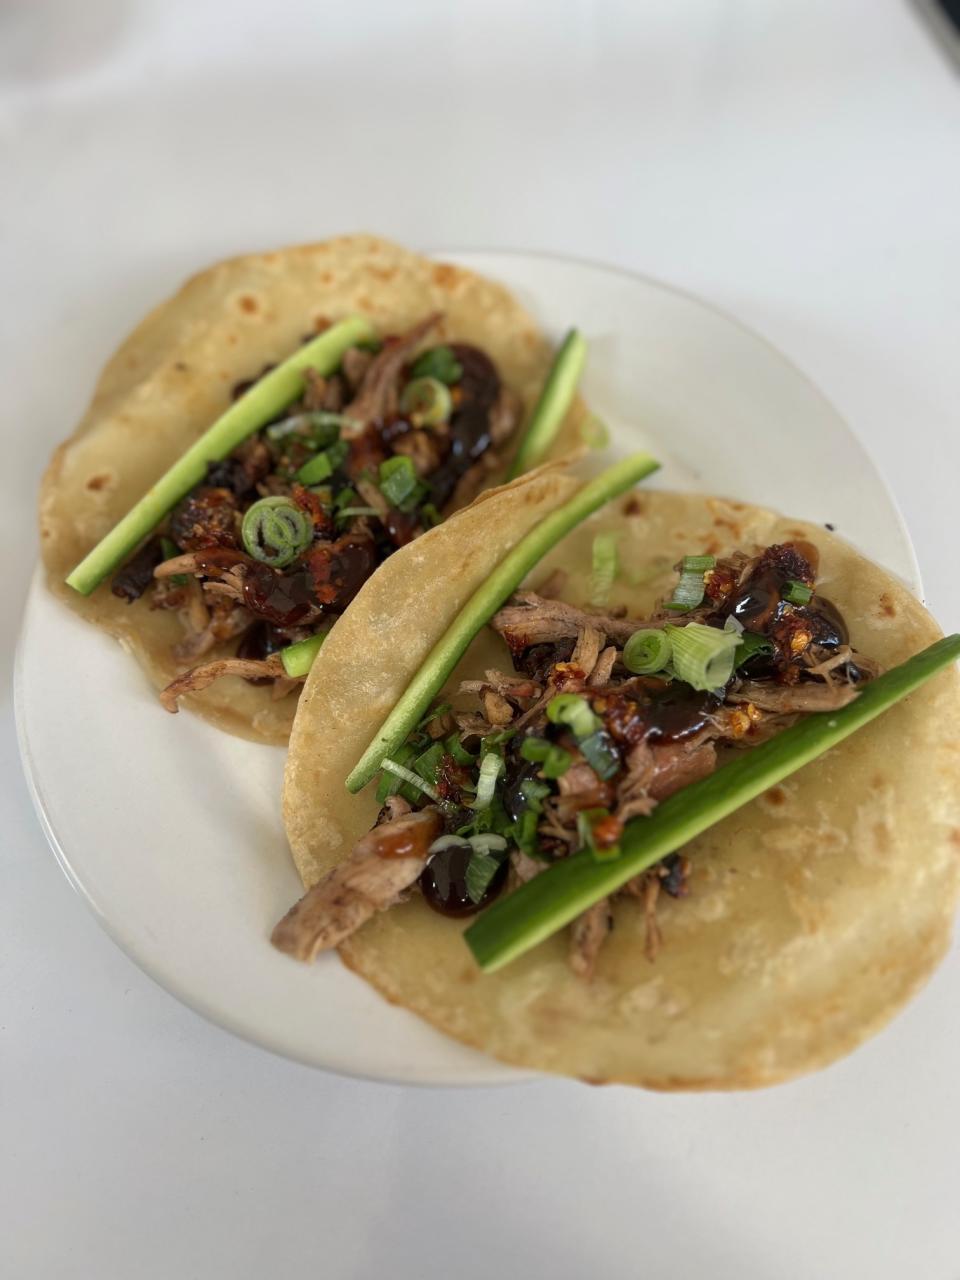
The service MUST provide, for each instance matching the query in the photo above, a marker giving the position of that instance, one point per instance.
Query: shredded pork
(371, 880)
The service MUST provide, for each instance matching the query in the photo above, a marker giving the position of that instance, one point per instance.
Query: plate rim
(498, 1073)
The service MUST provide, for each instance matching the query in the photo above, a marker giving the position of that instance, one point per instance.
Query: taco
(406, 400)
(604, 715)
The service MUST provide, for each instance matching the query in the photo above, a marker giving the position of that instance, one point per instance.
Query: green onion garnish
(439, 363)
(554, 761)
(797, 592)
(317, 469)
(407, 775)
(490, 770)
(426, 401)
(428, 764)
(604, 567)
(298, 658)
(484, 603)
(315, 429)
(398, 479)
(703, 657)
(575, 712)
(481, 869)
(648, 650)
(553, 405)
(275, 531)
(689, 591)
(265, 399)
(458, 751)
(750, 645)
(356, 511)
(601, 754)
(594, 432)
(567, 888)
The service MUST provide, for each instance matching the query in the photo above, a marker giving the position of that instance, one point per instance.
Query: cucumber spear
(265, 399)
(484, 603)
(558, 895)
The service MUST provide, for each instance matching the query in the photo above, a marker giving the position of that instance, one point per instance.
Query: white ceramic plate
(171, 831)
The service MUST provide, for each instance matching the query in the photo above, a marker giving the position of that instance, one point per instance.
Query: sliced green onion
(398, 479)
(430, 515)
(428, 764)
(265, 399)
(317, 469)
(569, 887)
(703, 657)
(594, 432)
(797, 592)
(490, 770)
(298, 658)
(688, 593)
(440, 363)
(426, 401)
(575, 712)
(407, 775)
(601, 755)
(458, 751)
(318, 429)
(553, 405)
(481, 869)
(356, 511)
(554, 761)
(484, 603)
(275, 531)
(324, 464)
(170, 552)
(489, 842)
(698, 564)
(750, 645)
(648, 650)
(604, 572)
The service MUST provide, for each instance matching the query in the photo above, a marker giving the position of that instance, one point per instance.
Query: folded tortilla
(173, 377)
(814, 913)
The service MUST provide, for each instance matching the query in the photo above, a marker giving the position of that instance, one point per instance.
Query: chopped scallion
(575, 712)
(601, 754)
(750, 645)
(648, 650)
(401, 771)
(275, 531)
(490, 770)
(604, 567)
(440, 363)
(398, 479)
(481, 869)
(797, 592)
(698, 564)
(427, 402)
(703, 657)
(554, 761)
(688, 593)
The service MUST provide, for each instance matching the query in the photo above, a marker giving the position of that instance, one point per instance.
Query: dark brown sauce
(137, 574)
(443, 882)
(284, 599)
(257, 643)
(830, 628)
(669, 714)
(339, 569)
(469, 433)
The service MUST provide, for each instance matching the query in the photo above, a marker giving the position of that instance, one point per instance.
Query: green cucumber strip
(265, 399)
(553, 405)
(484, 603)
(551, 900)
(298, 658)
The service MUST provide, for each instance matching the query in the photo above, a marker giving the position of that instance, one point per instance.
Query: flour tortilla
(173, 377)
(814, 913)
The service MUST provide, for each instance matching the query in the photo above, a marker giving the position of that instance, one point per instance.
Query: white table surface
(793, 161)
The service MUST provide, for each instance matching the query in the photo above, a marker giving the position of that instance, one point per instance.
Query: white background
(794, 161)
